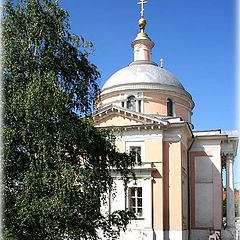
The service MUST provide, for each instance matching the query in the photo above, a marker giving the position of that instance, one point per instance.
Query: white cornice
(112, 109)
(143, 170)
(147, 123)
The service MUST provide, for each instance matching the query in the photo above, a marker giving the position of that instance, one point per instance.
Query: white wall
(208, 184)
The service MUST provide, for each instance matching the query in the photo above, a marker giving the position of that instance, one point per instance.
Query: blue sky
(196, 39)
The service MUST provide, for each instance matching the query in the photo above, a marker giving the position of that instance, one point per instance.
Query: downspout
(189, 188)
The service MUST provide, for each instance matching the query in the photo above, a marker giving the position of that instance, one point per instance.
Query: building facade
(178, 189)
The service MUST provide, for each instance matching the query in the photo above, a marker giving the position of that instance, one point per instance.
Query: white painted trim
(174, 107)
(227, 148)
(173, 235)
(146, 185)
(206, 145)
(142, 135)
(149, 86)
(172, 137)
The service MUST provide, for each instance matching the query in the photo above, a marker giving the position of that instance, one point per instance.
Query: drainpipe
(189, 188)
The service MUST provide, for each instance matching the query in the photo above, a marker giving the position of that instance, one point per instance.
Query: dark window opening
(170, 107)
(137, 152)
(139, 106)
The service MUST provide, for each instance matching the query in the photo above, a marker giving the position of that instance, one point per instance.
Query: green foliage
(236, 204)
(237, 209)
(57, 165)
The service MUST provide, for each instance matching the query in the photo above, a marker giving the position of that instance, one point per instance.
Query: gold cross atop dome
(142, 2)
(142, 22)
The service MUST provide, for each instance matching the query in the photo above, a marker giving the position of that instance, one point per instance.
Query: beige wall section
(158, 197)
(175, 185)
(151, 107)
(109, 99)
(120, 145)
(153, 153)
(172, 189)
(184, 188)
(163, 97)
(115, 120)
(112, 98)
(154, 103)
(166, 189)
(153, 150)
(182, 112)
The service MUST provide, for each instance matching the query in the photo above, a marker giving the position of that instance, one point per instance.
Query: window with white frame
(136, 201)
(136, 150)
(131, 103)
(137, 147)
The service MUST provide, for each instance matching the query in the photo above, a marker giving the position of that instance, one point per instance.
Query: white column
(230, 192)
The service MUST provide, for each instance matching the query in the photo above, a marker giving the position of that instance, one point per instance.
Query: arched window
(131, 103)
(169, 107)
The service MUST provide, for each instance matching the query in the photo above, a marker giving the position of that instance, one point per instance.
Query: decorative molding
(149, 86)
(150, 122)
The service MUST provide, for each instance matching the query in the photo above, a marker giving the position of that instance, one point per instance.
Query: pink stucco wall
(156, 103)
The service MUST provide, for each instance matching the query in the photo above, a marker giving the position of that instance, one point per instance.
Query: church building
(178, 192)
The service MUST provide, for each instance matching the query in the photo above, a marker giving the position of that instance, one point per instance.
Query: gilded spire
(142, 44)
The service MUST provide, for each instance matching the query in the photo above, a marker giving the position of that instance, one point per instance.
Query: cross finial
(161, 63)
(142, 2)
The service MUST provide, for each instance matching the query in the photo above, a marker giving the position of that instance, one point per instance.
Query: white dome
(142, 72)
